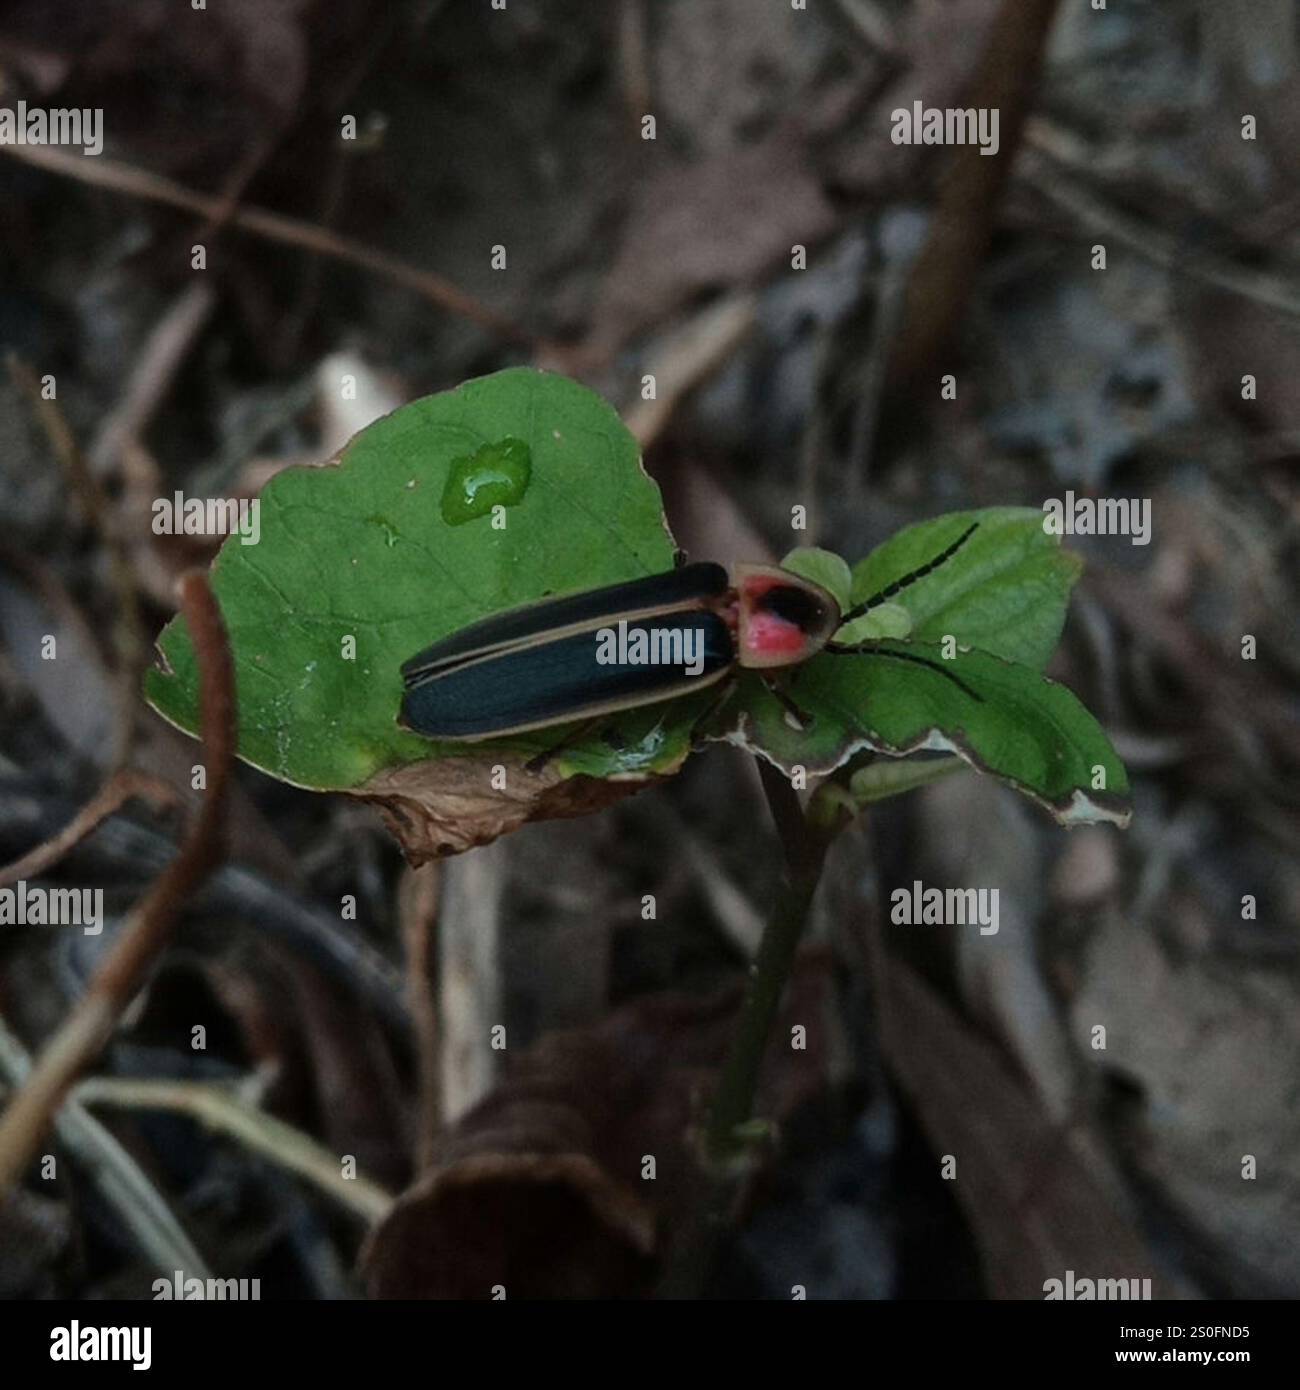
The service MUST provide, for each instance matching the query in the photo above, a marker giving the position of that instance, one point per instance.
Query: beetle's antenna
(872, 649)
(929, 567)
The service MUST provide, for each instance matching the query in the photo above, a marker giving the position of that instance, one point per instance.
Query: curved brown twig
(145, 933)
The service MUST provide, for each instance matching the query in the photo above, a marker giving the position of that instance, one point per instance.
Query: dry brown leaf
(447, 806)
(1038, 1203)
(541, 1187)
(1214, 1049)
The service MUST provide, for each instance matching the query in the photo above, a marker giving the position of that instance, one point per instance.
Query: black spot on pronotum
(793, 605)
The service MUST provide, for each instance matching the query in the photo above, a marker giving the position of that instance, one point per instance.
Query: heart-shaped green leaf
(364, 562)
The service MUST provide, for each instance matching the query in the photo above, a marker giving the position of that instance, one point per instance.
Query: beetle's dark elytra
(551, 681)
(676, 588)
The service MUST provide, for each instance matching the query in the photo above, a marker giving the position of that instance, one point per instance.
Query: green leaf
(393, 545)
(1005, 591)
(823, 567)
(1001, 717)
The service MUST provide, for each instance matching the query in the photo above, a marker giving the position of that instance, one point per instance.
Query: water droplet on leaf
(495, 475)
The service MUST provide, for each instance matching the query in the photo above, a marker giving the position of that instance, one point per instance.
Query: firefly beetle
(540, 665)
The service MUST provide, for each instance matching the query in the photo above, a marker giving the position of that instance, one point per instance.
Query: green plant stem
(805, 838)
(725, 1152)
(733, 1102)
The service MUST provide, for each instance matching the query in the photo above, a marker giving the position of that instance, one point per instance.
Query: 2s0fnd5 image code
(1174, 1333)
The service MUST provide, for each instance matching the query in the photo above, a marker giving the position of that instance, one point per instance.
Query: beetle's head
(781, 618)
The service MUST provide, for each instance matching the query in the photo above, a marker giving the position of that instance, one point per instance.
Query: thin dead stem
(222, 1110)
(131, 646)
(140, 183)
(122, 787)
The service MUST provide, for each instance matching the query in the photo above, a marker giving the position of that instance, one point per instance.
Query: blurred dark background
(523, 128)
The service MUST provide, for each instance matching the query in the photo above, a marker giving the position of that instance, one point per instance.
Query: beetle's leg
(578, 734)
(802, 719)
(722, 693)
